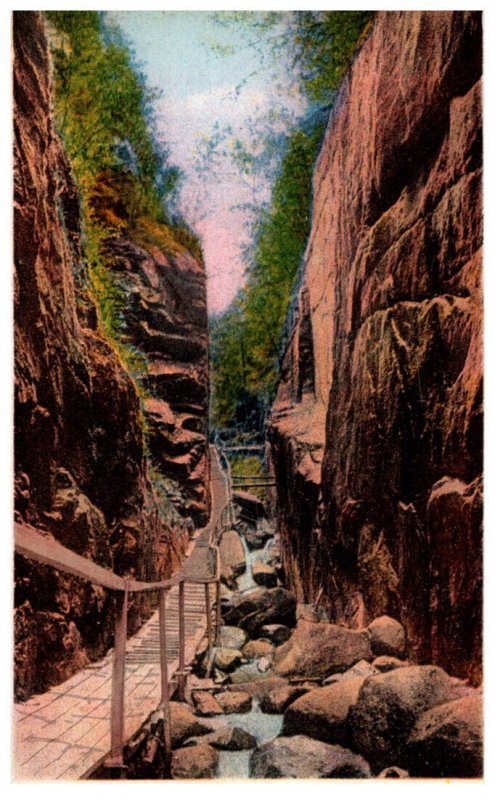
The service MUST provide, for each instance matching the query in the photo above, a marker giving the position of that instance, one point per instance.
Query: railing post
(167, 739)
(208, 615)
(182, 643)
(218, 610)
(115, 761)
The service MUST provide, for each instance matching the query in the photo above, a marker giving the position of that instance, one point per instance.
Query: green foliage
(246, 338)
(104, 109)
(104, 112)
(315, 46)
(243, 466)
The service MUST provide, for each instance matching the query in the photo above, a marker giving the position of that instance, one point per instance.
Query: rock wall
(81, 471)
(376, 430)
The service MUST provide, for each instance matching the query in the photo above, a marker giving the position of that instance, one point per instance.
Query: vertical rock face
(166, 321)
(376, 430)
(80, 467)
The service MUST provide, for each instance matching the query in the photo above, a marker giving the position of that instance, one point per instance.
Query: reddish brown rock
(197, 761)
(235, 702)
(80, 467)
(380, 393)
(322, 713)
(318, 649)
(447, 741)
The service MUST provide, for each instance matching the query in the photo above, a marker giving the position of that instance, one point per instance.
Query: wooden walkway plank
(65, 733)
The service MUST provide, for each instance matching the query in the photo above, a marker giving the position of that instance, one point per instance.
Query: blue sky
(200, 88)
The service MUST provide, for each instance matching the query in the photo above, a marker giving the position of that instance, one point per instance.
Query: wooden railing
(34, 545)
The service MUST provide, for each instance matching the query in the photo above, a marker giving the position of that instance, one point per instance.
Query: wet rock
(262, 607)
(363, 669)
(263, 664)
(277, 700)
(256, 539)
(219, 677)
(205, 704)
(227, 659)
(388, 637)
(183, 724)
(387, 663)
(257, 648)
(302, 757)
(231, 637)
(278, 634)
(261, 687)
(323, 713)
(393, 772)
(447, 741)
(264, 575)
(198, 761)
(248, 673)
(235, 702)
(388, 707)
(318, 649)
(250, 506)
(226, 738)
(232, 553)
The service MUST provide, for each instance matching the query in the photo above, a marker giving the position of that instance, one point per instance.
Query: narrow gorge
(337, 510)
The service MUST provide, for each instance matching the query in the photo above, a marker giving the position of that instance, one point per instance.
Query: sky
(199, 88)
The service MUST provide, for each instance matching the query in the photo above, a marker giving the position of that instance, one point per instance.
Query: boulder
(259, 688)
(198, 761)
(227, 659)
(256, 539)
(277, 700)
(387, 663)
(278, 634)
(388, 706)
(261, 607)
(235, 702)
(317, 649)
(227, 577)
(447, 741)
(226, 738)
(232, 553)
(363, 669)
(219, 677)
(388, 637)
(246, 674)
(323, 713)
(393, 772)
(205, 704)
(257, 648)
(263, 664)
(249, 505)
(230, 636)
(264, 575)
(302, 757)
(183, 724)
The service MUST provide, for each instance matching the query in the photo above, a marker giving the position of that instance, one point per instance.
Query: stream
(264, 727)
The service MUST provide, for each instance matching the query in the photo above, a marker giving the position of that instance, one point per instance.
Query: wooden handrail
(29, 542)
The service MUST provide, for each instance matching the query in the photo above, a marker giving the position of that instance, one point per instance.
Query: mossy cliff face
(376, 430)
(81, 470)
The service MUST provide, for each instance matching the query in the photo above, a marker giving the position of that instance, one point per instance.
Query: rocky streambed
(286, 694)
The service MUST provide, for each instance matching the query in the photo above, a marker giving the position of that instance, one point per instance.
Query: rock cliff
(376, 430)
(81, 465)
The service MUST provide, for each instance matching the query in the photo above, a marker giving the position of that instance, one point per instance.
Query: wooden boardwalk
(64, 733)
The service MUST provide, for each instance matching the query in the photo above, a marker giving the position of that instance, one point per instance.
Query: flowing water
(263, 727)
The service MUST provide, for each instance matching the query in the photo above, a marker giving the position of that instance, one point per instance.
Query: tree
(322, 44)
